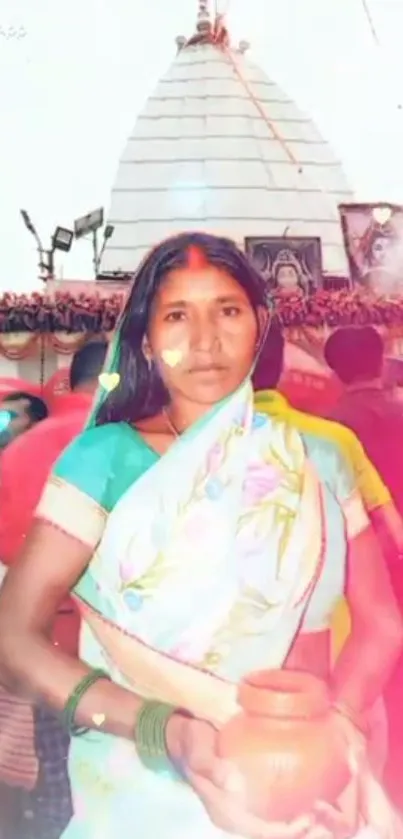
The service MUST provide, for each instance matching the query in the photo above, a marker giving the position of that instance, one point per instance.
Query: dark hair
(140, 392)
(36, 409)
(87, 363)
(355, 353)
(269, 365)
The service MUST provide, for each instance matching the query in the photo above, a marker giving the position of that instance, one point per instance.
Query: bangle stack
(70, 708)
(150, 727)
(149, 734)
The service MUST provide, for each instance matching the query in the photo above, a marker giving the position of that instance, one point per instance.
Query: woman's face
(287, 277)
(202, 334)
(379, 250)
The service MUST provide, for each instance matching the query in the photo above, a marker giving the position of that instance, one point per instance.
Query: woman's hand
(192, 747)
(353, 736)
(330, 823)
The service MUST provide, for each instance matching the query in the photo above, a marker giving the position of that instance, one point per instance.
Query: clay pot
(286, 744)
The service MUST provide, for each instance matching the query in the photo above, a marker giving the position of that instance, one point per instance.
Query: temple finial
(243, 47)
(207, 32)
(203, 17)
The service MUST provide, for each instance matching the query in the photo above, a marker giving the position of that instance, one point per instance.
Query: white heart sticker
(172, 357)
(382, 214)
(109, 381)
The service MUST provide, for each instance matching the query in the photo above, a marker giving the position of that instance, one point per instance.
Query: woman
(163, 516)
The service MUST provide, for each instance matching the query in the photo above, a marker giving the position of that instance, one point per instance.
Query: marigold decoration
(94, 314)
(59, 313)
(339, 308)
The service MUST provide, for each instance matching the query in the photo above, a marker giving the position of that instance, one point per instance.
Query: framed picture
(373, 238)
(291, 265)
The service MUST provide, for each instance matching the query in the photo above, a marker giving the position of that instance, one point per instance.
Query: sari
(205, 564)
(373, 491)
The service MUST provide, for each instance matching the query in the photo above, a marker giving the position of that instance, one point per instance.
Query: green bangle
(149, 734)
(70, 708)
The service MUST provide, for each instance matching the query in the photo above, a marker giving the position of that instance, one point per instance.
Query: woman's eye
(231, 311)
(174, 317)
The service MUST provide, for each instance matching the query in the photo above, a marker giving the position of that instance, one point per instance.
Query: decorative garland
(339, 308)
(83, 313)
(62, 312)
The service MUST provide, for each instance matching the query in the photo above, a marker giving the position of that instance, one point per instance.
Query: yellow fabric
(369, 483)
(341, 626)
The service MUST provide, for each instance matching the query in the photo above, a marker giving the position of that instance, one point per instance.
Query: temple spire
(207, 31)
(203, 17)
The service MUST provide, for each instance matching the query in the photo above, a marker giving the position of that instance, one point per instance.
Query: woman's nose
(205, 333)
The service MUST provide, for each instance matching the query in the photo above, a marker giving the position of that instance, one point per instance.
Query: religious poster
(291, 266)
(373, 238)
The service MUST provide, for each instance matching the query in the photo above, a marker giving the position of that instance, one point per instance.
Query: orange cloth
(24, 468)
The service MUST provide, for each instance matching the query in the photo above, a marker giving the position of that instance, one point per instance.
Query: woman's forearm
(365, 666)
(33, 667)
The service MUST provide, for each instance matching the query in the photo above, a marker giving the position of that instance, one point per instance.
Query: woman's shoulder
(99, 438)
(96, 445)
(327, 451)
(102, 435)
(332, 464)
(89, 462)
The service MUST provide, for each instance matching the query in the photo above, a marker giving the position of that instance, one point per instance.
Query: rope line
(260, 108)
(221, 38)
(371, 24)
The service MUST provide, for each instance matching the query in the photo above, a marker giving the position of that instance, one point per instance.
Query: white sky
(71, 87)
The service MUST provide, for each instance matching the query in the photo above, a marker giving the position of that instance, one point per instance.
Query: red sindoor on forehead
(196, 258)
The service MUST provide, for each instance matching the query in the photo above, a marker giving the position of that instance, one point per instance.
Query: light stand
(90, 225)
(61, 241)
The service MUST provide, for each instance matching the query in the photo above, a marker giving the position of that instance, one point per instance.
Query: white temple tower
(219, 147)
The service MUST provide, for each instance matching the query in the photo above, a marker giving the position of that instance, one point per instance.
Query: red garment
(376, 417)
(65, 403)
(24, 468)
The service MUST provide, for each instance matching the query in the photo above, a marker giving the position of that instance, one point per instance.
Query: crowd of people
(125, 558)
(36, 801)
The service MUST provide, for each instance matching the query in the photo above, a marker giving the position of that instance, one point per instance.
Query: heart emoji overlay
(172, 357)
(109, 381)
(382, 214)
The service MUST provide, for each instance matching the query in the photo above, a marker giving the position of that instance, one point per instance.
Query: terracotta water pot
(286, 743)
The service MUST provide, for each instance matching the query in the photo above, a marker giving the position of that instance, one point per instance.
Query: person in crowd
(19, 411)
(24, 469)
(161, 517)
(375, 415)
(384, 511)
(356, 354)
